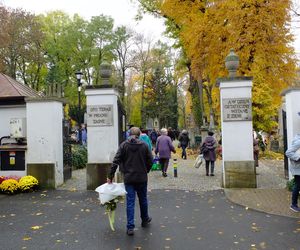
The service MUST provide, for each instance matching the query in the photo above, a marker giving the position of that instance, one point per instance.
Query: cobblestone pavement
(270, 175)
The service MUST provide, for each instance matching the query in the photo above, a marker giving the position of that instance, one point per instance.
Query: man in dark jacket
(184, 142)
(135, 161)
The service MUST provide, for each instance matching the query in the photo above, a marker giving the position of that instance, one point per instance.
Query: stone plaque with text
(237, 109)
(100, 115)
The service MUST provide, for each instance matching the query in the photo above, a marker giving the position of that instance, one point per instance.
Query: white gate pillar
(45, 140)
(104, 126)
(238, 170)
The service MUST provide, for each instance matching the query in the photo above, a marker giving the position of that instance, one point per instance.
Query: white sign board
(237, 109)
(99, 115)
(18, 127)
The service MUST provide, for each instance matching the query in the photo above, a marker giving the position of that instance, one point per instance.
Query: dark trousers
(296, 190)
(212, 166)
(141, 191)
(183, 154)
(164, 165)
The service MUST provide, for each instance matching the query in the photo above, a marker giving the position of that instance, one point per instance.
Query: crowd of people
(135, 159)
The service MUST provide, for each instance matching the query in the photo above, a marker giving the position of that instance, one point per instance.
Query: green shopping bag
(156, 166)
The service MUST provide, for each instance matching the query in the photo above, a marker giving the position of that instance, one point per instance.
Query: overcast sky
(122, 11)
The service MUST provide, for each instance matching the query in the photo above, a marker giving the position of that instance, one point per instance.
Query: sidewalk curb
(270, 201)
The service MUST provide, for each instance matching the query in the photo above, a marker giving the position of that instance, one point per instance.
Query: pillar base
(96, 174)
(44, 173)
(239, 174)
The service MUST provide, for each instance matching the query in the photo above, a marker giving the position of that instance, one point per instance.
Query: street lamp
(78, 77)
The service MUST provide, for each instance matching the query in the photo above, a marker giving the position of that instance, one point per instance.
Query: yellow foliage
(258, 30)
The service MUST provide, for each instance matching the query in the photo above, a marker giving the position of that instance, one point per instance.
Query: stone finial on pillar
(232, 63)
(105, 72)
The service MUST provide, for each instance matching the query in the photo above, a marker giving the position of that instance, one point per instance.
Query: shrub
(9, 186)
(290, 184)
(28, 183)
(79, 156)
(2, 178)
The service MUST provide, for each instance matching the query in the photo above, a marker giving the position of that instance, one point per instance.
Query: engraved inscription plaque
(99, 115)
(237, 109)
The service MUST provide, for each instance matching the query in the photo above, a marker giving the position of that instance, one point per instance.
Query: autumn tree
(142, 64)
(123, 50)
(21, 54)
(259, 32)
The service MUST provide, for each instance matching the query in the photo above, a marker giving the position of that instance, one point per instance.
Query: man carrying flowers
(134, 159)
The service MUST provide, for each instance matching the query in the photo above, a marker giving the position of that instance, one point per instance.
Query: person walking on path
(171, 134)
(135, 161)
(145, 138)
(127, 133)
(208, 149)
(255, 150)
(82, 135)
(184, 142)
(294, 155)
(153, 136)
(164, 147)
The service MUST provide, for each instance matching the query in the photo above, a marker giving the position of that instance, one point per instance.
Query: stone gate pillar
(238, 170)
(102, 129)
(45, 140)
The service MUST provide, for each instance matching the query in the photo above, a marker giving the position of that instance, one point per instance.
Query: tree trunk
(195, 89)
(208, 90)
(142, 101)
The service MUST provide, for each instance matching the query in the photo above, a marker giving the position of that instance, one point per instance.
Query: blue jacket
(293, 153)
(84, 136)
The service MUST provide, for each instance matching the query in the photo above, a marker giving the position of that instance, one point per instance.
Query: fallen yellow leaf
(36, 227)
(27, 238)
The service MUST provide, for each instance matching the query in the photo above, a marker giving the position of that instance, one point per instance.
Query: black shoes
(146, 222)
(207, 174)
(130, 232)
(212, 175)
(164, 174)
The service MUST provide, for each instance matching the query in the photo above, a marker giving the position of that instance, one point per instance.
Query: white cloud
(122, 11)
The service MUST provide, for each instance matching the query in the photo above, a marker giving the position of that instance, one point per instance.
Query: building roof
(11, 89)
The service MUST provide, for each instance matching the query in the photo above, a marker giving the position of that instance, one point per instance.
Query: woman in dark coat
(184, 142)
(255, 151)
(208, 149)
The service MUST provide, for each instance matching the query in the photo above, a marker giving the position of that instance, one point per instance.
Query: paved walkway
(189, 212)
(67, 220)
(271, 195)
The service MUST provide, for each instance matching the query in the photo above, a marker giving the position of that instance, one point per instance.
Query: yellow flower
(9, 186)
(28, 182)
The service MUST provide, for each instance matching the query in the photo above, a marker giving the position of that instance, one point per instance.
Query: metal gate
(122, 122)
(285, 145)
(67, 151)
